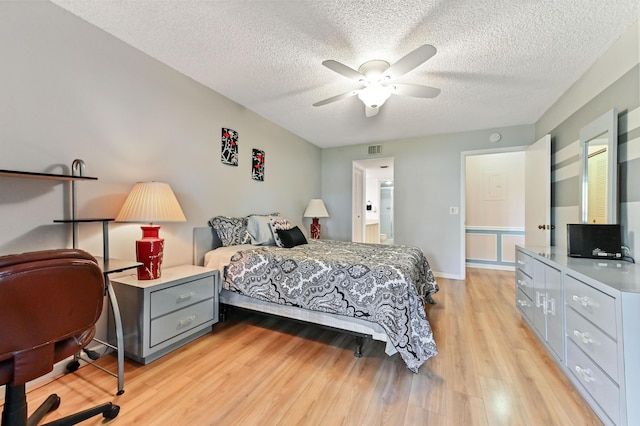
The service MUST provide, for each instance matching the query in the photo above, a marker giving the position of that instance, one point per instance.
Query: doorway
(492, 207)
(373, 206)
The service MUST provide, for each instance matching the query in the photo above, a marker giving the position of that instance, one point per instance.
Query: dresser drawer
(524, 303)
(524, 262)
(179, 296)
(594, 342)
(594, 305)
(524, 283)
(605, 392)
(169, 326)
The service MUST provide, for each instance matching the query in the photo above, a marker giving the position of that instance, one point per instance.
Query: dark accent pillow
(291, 237)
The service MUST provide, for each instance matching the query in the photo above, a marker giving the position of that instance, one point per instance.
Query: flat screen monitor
(594, 241)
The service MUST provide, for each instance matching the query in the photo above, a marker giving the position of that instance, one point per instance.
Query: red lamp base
(315, 229)
(149, 252)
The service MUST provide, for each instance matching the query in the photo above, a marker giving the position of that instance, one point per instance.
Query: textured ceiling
(499, 62)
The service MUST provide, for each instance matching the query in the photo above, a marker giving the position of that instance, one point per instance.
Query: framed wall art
(257, 165)
(229, 153)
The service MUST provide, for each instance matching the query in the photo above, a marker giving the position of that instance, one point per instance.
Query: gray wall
(612, 82)
(427, 182)
(69, 90)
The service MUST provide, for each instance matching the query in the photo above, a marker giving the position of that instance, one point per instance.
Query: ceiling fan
(377, 78)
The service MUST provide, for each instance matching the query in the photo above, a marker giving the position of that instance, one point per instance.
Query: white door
(357, 225)
(537, 190)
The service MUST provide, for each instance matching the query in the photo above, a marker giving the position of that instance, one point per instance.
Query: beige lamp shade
(151, 202)
(316, 208)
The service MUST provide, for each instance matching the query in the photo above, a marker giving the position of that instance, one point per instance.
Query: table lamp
(315, 210)
(150, 202)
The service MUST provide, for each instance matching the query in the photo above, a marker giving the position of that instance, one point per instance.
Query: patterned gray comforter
(384, 284)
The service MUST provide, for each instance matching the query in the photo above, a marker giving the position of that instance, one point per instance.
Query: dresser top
(616, 274)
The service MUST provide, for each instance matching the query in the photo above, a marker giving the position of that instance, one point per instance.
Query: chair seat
(50, 301)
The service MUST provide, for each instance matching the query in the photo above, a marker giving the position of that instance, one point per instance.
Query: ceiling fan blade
(337, 98)
(343, 70)
(410, 61)
(415, 90)
(370, 112)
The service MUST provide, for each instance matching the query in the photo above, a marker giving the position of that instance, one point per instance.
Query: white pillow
(277, 224)
(260, 231)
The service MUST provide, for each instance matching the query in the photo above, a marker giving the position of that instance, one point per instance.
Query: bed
(368, 290)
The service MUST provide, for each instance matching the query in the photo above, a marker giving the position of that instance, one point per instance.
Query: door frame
(463, 195)
(355, 191)
(366, 165)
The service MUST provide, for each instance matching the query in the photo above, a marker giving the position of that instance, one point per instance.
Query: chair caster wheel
(55, 404)
(112, 413)
(73, 366)
(93, 355)
(120, 392)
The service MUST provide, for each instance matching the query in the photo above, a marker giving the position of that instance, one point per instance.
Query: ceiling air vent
(374, 149)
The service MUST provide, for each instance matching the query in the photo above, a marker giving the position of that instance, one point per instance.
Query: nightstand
(161, 315)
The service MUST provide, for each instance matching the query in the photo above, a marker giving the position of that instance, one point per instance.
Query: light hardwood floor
(253, 370)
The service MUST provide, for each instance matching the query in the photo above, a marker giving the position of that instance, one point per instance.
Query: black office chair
(49, 303)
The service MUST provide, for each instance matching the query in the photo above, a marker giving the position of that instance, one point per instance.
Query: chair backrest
(46, 298)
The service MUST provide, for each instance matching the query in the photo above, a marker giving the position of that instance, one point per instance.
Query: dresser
(586, 312)
(161, 315)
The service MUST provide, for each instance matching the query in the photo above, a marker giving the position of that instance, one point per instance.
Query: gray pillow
(232, 231)
(260, 231)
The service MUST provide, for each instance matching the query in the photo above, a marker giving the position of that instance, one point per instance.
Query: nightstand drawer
(179, 296)
(605, 392)
(595, 343)
(594, 305)
(173, 324)
(524, 262)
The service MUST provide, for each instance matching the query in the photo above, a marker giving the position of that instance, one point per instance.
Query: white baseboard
(447, 275)
(487, 266)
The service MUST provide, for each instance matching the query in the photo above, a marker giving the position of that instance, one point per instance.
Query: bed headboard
(205, 239)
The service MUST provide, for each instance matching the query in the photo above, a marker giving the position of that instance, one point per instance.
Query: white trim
(447, 276)
(489, 266)
(495, 228)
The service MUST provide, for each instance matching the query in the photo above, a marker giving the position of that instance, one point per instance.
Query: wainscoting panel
(482, 247)
(509, 242)
(492, 248)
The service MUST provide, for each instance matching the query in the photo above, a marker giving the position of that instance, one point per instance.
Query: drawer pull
(584, 301)
(520, 262)
(522, 283)
(524, 303)
(187, 320)
(585, 337)
(187, 295)
(542, 303)
(551, 302)
(585, 373)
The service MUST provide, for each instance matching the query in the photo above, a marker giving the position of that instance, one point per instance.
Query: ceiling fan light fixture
(374, 95)
(377, 77)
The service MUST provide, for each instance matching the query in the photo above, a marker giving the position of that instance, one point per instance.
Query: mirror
(599, 170)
